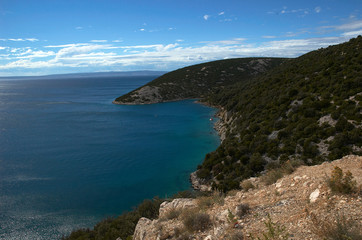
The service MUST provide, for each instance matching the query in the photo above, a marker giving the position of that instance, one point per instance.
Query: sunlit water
(69, 157)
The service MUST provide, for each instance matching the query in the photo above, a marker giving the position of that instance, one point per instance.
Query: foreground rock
(295, 202)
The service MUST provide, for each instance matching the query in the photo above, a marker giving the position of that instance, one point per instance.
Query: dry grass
(339, 228)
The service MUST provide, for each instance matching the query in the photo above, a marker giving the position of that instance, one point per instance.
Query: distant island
(88, 75)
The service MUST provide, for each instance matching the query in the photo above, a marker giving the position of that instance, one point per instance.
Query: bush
(246, 185)
(340, 184)
(196, 221)
(272, 176)
(242, 210)
(339, 228)
(237, 236)
(274, 231)
(206, 202)
(173, 213)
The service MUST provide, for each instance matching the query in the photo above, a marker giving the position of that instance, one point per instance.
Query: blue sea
(69, 157)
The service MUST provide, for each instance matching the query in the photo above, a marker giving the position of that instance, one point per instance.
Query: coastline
(221, 128)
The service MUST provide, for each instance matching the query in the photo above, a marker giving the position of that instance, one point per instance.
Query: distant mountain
(87, 75)
(199, 80)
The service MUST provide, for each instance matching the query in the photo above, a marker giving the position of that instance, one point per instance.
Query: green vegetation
(201, 80)
(342, 184)
(290, 112)
(196, 221)
(122, 226)
(273, 231)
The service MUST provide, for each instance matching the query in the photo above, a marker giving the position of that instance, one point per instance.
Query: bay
(69, 157)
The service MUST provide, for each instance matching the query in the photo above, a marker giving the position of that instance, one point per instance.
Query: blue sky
(39, 37)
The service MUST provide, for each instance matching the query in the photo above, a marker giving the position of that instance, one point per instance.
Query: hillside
(198, 81)
(299, 206)
(308, 108)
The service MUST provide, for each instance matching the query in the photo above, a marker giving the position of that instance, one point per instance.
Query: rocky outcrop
(293, 202)
(176, 204)
(199, 184)
(144, 95)
(146, 229)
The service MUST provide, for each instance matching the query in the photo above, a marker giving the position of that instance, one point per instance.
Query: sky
(40, 37)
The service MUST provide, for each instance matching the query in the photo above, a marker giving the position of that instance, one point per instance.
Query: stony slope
(297, 202)
(199, 80)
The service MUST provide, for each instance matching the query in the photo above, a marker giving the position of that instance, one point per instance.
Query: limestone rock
(198, 184)
(178, 203)
(314, 195)
(145, 230)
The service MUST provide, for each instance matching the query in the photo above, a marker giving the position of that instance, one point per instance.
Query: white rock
(178, 203)
(314, 195)
(297, 178)
(145, 230)
(279, 184)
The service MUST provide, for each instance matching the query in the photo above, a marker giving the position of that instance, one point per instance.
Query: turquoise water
(69, 157)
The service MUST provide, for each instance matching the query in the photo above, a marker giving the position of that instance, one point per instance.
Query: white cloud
(20, 39)
(226, 42)
(317, 9)
(221, 13)
(158, 56)
(79, 28)
(99, 41)
(117, 41)
(350, 26)
(206, 17)
(32, 39)
(268, 36)
(352, 33)
(35, 54)
(142, 29)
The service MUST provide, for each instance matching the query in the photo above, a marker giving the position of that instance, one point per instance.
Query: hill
(308, 109)
(199, 80)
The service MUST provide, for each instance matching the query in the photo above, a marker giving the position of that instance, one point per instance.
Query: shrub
(237, 236)
(272, 176)
(246, 185)
(242, 210)
(339, 228)
(196, 221)
(206, 202)
(342, 184)
(173, 213)
(274, 231)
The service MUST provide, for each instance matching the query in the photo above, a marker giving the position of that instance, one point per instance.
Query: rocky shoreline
(221, 127)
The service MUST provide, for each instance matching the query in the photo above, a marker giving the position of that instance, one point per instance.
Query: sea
(70, 158)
